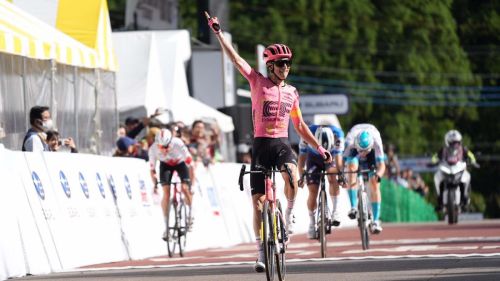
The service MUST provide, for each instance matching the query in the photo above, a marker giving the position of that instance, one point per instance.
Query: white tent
(152, 74)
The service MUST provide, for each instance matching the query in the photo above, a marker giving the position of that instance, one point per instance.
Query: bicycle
(365, 214)
(323, 224)
(273, 227)
(177, 221)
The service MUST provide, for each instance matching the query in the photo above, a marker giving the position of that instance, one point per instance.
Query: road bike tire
(182, 227)
(268, 240)
(282, 236)
(363, 218)
(452, 208)
(322, 222)
(172, 229)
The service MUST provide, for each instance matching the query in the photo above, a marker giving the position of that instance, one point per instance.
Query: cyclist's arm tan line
(241, 64)
(303, 130)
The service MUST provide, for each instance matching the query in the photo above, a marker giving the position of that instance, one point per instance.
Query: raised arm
(242, 66)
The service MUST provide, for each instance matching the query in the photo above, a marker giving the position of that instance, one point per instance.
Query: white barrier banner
(91, 227)
(44, 207)
(141, 220)
(10, 242)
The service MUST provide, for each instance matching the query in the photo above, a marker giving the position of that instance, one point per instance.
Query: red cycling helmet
(276, 52)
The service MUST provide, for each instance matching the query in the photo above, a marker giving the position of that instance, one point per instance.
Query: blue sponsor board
(127, 187)
(100, 185)
(83, 185)
(65, 184)
(112, 186)
(38, 185)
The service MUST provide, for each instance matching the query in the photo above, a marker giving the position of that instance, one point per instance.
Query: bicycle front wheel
(363, 219)
(182, 227)
(322, 222)
(282, 241)
(268, 240)
(172, 236)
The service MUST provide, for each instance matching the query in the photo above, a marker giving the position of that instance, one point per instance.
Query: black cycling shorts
(366, 162)
(315, 164)
(269, 152)
(166, 173)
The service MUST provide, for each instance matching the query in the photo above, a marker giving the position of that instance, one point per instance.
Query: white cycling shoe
(375, 227)
(335, 219)
(289, 220)
(311, 233)
(259, 265)
(353, 213)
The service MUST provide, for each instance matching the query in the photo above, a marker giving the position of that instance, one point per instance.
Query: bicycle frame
(178, 229)
(272, 219)
(364, 211)
(322, 225)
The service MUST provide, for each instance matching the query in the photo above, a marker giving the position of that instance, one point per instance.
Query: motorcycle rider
(455, 151)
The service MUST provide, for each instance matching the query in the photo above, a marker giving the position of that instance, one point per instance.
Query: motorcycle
(452, 174)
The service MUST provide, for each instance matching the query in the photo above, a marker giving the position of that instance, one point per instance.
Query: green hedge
(400, 204)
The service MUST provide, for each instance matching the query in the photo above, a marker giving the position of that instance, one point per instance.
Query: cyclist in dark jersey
(274, 103)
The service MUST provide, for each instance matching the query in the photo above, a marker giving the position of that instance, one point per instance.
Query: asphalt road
(435, 251)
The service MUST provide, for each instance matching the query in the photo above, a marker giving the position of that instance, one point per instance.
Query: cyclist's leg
(352, 164)
(375, 194)
(260, 152)
(282, 154)
(183, 173)
(313, 187)
(166, 173)
(334, 193)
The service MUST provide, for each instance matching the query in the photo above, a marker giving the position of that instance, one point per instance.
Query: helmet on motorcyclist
(452, 137)
(363, 141)
(164, 137)
(325, 137)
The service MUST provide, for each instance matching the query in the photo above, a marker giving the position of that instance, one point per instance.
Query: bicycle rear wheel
(268, 240)
(322, 222)
(172, 235)
(282, 240)
(182, 227)
(363, 219)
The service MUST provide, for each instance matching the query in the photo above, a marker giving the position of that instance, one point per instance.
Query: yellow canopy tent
(22, 34)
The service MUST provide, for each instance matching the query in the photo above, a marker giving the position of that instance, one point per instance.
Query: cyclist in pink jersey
(274, 103)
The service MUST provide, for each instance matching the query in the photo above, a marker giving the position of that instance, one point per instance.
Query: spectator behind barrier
(55, 143)
(198, 146)
(35, 138)
(128, 147)
(393, 171)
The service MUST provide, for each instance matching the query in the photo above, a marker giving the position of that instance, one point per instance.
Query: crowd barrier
(60, 211)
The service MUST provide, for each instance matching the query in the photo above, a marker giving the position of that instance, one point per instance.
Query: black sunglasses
(281, 63)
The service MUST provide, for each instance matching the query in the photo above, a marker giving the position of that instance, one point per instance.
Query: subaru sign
(324, 104)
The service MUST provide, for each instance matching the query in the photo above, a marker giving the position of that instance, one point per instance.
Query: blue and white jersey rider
(355, 153)
(338, 144)
(364, 150)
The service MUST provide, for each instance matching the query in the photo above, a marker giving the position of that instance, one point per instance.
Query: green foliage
(477, 202)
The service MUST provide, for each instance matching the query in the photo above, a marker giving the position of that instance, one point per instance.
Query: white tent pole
(96, 119)
(53, 101)
(76, 96)
(25, 93)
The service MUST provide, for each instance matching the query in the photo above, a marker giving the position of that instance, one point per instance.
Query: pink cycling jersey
(272, 105)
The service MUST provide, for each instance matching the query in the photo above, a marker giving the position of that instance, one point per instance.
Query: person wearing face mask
(35, 138)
